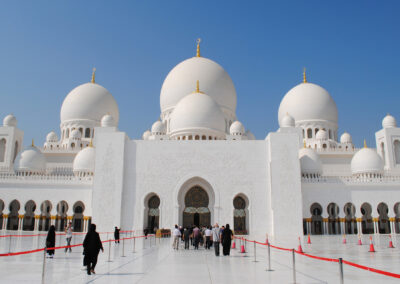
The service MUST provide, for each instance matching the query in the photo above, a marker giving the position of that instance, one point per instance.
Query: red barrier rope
(372, 269)
(59, 234)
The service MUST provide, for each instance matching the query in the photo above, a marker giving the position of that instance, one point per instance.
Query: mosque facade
(198, 165)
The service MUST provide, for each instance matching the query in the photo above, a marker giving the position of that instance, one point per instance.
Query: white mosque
(198, 165)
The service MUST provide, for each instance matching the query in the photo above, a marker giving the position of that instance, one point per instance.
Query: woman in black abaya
(91, 248)
(51, 241)
(227, 236)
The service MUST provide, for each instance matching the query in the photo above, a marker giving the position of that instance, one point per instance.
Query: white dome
(346, 138)
(10, 120)
(30, 160)
(250, 135)
(52, 137)
(197, 111)
(214, 80)
(236, 128)
(84, 161)
(158, 128)
(308, 102)
(389, 121)
(366, 161)
(146, 135)
(287, 121)
(107, 121)
(89, 101)
(321, 135)
(310, 162)
(75, 134)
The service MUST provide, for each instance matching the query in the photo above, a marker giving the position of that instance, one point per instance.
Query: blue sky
(351, 48)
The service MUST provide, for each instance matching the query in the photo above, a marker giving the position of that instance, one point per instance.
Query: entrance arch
(196, 212)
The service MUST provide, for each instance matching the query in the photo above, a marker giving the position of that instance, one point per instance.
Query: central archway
(196, 212)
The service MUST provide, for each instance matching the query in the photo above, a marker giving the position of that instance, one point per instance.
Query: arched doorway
(77, 219)
(367, 225)
(13, 217)
(29, 217)
(1, 213)
(45, 215)
(316, 219)
(239, 216)
(383, 220)
(153, 214)
(196, 212)
(61, 221)
(350, 226)
(333, 219)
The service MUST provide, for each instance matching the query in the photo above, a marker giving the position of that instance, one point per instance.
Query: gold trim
(5, 215)
(392, 219)
(198, 47)
(21, 216)
(325, 219)
(53, 217)
(359, 219)
(37, 216)
(86, 218)
(69, 217)
(375, 219)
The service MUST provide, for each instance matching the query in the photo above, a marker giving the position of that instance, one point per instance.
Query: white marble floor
(161, 264)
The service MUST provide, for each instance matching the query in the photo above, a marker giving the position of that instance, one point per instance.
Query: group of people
(206, 235)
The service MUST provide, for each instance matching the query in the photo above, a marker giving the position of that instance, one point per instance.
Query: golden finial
(365, 144)
(198, 88)
(93, 74)
(198, 47)
(304, 144)
(304, 75)
(33, 143)
(91, 143)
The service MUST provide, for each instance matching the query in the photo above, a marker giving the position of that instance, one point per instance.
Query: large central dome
(215, 82)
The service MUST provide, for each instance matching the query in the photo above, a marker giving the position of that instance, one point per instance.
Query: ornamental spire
(93, 75)
(198, 47)
(304, 75)
(197, 91)
(365, 144)
(90, 143)
(33, 143)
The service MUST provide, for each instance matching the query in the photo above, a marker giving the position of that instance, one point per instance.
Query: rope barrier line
(59, 234)
(386, 273)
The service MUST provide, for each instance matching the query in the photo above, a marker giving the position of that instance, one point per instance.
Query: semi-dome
(215, 82)
(84, 161)
(10, 120)
(366, 161)
(30, 160)
(158, 128)
(197, 112)
(310, 162)
(389, 121)
(308, 102)
(287, 121)
(76, 134)
(146, 135)
(88, 101)
(346, 138)
(108, 121)
(51, 137)
(321, 135)
(236, 128)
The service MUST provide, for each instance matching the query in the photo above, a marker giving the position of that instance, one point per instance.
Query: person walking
(68, 236)
(116, 235)
(208, 233)
(186, 237)
(227, 236)
(196, 236)
(51, 241)
(216, 238)
(177, 236)
(91, 248)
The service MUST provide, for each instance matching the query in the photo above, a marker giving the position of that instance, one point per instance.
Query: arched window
(2, 149)
(197, 137)
(61, 219)
(81, 131)
(15, 150)
(2, 205)
(350, 226)
(316, 219)
(77, 220)
(383, 220)
(72, 145)
(397, 151)
(29, 217)
(309, 133)
(239, 216)
(87, 133)
(333, 219)
(316, 131)
(203, 137)
(153, 214)
(12, 223)
(45, 215)
(367, 225)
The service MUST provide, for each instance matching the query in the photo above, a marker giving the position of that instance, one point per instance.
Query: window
(87, 133)
(309, 133)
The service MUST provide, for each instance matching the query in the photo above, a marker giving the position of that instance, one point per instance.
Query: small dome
(75, 134)
(346, 138)
(310, 162)
(10, 121)
(366, 161)
(308, 102)
(89, 101)
(52, 137)
(287, 121)
(146, 135)
(389, 121)
(84, 161)
(250, 135)
(30, 160)
(321, 135)
(158, 128)
(108, 121)
(236, 128)
(197, 111)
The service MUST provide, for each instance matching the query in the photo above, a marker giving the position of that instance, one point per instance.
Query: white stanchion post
(123, 247)
(44, 265)
(255, 251)
(134, 244)
(294, 265)
(341, 270)
(109, 251)
(9, 245)
(269, 257)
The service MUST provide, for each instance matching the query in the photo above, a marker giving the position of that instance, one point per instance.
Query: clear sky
(351, 48)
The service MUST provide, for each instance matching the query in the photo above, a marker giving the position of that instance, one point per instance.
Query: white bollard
(134, 244)
(269, 257)
(9, 245)
(255, 251)
(123, 247)
(341, 270)
(294, 265)
(109, 251)
(44, 265)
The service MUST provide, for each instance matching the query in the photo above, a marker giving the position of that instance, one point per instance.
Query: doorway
(196, 210)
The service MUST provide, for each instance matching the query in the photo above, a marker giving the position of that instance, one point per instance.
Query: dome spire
(33, 143)
(198, 47)
(93, 75)
(90, 143)
(304, 75)
(198, 88)
(365, 144)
